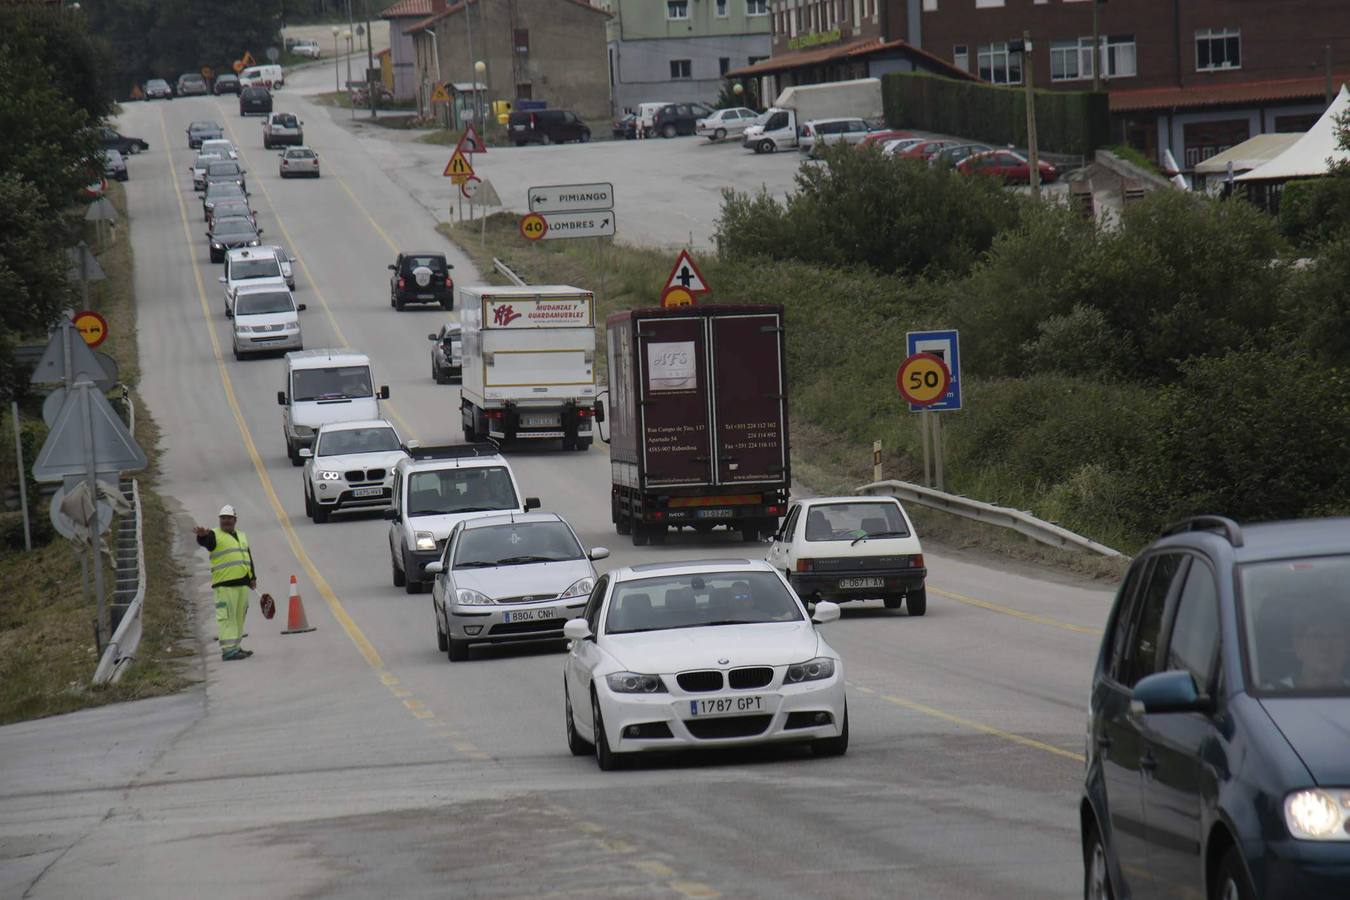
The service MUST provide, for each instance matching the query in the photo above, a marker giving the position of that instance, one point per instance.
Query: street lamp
(347, 35)
(479, 69)
(336, 85)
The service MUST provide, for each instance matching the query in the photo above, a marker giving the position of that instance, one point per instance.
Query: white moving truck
(803, 103)
(529, 363)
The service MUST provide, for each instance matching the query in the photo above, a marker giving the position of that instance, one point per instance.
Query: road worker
(232, 577)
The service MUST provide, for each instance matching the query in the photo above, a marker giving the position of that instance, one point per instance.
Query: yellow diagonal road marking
(1015, 613)
(981, 727)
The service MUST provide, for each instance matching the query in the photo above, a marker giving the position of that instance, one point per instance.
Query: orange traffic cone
(296, 623)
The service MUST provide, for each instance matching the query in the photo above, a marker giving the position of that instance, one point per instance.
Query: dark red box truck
(698, 423)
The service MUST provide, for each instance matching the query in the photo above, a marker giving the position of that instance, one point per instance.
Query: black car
(678, 118)
(226, 83)
(625, 128)
(225, 170)
(230, 232)
(421, 276)
(1218, 746)
(111, 140)
(255, 100)
(447, 358)
(203, 131)
(221, 190)
(546, 126)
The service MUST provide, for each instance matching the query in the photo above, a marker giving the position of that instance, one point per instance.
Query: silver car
(509, 578)
(198, 168)
(298, 161)
(830, 131)
(115, 165)
(726, 122)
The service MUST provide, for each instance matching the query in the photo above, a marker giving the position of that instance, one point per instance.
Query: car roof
(530, 518)
(846, 498)
(690, 567)
(269, 285)
(353, 426)
(440, 253)
(464, 462)
(1264, 541)
(323, 358)
(251, 252)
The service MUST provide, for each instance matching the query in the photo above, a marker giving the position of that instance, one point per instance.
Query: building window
(721, 9)
(1218, 48)
(756, 7)
(723, 65)
(987, 4)
(930, 5)
(680, 69)
(961, 57)
(1071, 60)
(1118, 53)
(998, 66)
(677, 9)
(521, 39)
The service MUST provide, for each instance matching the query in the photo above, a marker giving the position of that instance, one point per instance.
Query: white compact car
(266, 320)
(222, 147)
(309, 49)
(851, 548)
(726, 122)
(351, 466)
(250, 266)
(711, 653)
(507, 579)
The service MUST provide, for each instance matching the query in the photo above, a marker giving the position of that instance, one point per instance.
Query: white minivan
(325, 386)
(268, 76)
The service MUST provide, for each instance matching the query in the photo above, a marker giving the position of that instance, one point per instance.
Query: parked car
(421, 276)
(226, 83)
(192, 83)
(645, 113)
(282, 128)
(226, 234)
(546, 126)
(225, 170)
(819, 132)
(1217, 761)
(950, 156)
(447, 354)
(898, 146)
(255, 99)
(351, 467)
(308, 49)
(1005, 164)
(111, 140)
(266, 319)
(723, 122)
(114, 164)
(699, 654)
(926, 149)
(298, 161)
(158, 89)
(678, 118)
(625, 127)
(883, 137)
(203, 131)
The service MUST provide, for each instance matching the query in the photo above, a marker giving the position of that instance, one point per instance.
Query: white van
(325, 386)
(269, 77)
(646, 113)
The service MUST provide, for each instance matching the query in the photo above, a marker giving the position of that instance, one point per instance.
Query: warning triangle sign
(440, 95)
(87, 420)
(458, 166)
(687, 276)
(248, 60)
(52, 366)
(470, 142)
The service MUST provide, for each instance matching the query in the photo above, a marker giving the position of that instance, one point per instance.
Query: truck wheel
(583, 443)
(622, 524)
(766, 146)
(641, 536)
(916, 602)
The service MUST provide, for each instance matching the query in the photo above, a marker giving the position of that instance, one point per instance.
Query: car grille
(728, 726)
(528, 627)
(862, 563)
(263, 328)
(700, 682)
(532, 598)
(358, 475)
(750, 677)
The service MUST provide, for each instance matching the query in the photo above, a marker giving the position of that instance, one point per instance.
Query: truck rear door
(673, 395)
(749, 398)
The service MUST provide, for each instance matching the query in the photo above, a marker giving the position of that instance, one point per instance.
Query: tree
(32, 270)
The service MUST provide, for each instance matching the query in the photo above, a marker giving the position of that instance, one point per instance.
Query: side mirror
(413, 444)
(281, 398)
(229, 313)
(391, 515)
(391, 267)
(301, 307)
(576, 629)
(531, 503)
(260, 231)
(1168, 692)
(434, 568)
(431, 337)
(221, 279)
(599, 553)
(599, 411)
(825, 611)
(305, 453)
(384, 392)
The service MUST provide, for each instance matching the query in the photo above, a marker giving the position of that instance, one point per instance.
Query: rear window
(300, 154)
(284, 120)
(849, 521)
(434, 263)
(226, 167)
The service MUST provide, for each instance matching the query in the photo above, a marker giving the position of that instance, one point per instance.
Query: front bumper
(266, 341)
(1290, 869)
(342, 495)
(769, 725)
(826, 586)
(492, 625)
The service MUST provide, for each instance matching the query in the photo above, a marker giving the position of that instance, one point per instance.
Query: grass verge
(823, 460)
(47, 650)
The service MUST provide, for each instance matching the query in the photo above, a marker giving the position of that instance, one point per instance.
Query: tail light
(805, 565)
(402, 282)
(495, 414)
(583, 412)
(916, 561)
(449, 282)
(775, 510)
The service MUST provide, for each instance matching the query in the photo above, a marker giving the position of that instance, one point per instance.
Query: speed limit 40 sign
(923, 379)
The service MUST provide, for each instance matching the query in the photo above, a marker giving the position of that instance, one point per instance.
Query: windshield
(693, 601)
(850, 521)
(261, 304)
(516, 544)
(244, 269)
(336, 383)
(460, 490)
(232, 226)
(223, 168)
(357, 440)
(220, 189)
(1296, 619)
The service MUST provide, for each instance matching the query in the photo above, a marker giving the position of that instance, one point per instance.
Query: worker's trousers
(231, 607)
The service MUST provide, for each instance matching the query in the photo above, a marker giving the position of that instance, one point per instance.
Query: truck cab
(324, 386)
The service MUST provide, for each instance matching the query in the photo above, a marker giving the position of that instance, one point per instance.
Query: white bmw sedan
(710, 653)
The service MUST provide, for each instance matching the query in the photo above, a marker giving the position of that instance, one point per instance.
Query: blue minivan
(1218, 745)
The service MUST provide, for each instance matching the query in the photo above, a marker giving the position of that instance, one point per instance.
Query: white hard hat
(228, 510)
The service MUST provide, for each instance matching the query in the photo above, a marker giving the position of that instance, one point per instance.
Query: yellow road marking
(1015, 613)
(363, 645)
(424, 713)
(366, 213)
(414, 704)
(694, 889)
(388, 678)
(654, 868)
(983, 728)
(400, 692)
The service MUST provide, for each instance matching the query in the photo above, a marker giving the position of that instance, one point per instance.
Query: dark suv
(1218, 746)
(255, 100)
(678, 118)
(421, 276)
(546, 126)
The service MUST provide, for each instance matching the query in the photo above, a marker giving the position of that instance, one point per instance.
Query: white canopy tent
(1307, 158)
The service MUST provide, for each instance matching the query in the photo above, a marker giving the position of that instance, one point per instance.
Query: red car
(881, 137)
(926, 149)
(1007, 165)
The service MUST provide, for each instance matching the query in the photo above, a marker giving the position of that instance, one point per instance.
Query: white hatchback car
(851, 548)
(703, 653)
(351, 466)
(725, 122)
(266, 320)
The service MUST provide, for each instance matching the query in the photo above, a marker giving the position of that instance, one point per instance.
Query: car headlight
(425, 540)
(812, 670)
(467, 597)
(254, 243)
(1318, 815)
(580, 589)
(330, 476)
(217, 245)
(633, 683)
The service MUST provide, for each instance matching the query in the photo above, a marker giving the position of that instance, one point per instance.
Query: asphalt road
(355, 760)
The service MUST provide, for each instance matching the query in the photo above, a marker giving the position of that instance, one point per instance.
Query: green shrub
(1314, 209)
(1315, 306)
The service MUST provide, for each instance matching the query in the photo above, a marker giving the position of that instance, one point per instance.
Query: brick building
(1193, 76)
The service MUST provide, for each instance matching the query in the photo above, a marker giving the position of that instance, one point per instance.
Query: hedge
(1066, 122)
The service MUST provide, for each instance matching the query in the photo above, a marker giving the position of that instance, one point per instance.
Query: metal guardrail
(1022, 522)
(507, 273)
(121, 649)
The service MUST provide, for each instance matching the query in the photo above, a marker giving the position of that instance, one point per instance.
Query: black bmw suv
(1218, 745)
(421, 276)
(255, 100)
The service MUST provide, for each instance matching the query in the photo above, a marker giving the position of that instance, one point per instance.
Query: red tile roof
(409, 8)
(854, 50)
(1227, 94)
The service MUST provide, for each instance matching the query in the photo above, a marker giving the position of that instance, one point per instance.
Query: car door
(1181, 749)
(1118, 734)
(443, 585)
(855, 132)
(778, 555)
(583, 656)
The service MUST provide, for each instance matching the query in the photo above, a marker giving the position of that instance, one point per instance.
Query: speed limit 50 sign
(946, 347)
(923, 380)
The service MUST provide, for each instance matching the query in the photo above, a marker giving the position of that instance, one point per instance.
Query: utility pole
(1033, 155)
(473, 72)
(370, 61)
(1096, 48)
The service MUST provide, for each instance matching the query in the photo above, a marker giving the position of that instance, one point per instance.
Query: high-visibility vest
(231, 559)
